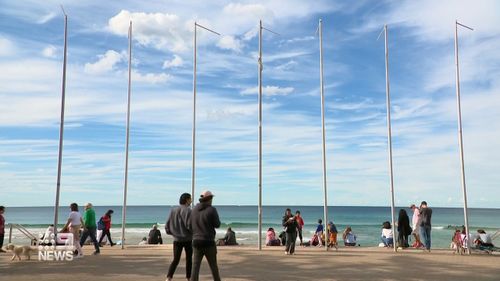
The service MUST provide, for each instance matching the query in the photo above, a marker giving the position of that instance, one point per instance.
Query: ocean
(365, 221)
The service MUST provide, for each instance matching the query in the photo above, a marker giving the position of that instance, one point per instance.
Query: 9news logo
(48, 250)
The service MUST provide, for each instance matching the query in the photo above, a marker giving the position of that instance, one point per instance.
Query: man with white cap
(90, 227)
(204, 221)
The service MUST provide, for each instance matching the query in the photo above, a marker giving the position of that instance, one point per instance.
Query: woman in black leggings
(106, 220)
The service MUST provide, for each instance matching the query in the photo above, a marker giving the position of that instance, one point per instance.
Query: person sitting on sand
(483, 239)
(144, 241)
(154, 236)
(349, 237)
(282, 237)
(229, 239)
(271, 239)
(387, 235)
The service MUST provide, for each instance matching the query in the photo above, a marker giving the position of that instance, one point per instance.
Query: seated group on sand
(482, 241)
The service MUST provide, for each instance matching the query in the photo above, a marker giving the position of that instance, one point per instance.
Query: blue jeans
(387, 241)
(425, 235)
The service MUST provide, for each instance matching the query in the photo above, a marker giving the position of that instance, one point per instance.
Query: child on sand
(349, 237)
(387, 235)
(271, 239)
(332, 230)
(319, 232)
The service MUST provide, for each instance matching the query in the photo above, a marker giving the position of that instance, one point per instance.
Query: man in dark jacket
(425, 224)
(204, 221)
(179, 226)
(154, 236)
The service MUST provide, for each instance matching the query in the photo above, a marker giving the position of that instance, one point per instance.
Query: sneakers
(96, 253)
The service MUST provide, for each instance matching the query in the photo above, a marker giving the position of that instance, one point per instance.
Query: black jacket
(291, 226)
(155, 237)
(204, 221)
(404, 224)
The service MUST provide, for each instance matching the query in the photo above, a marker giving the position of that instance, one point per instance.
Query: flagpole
(61, 125)
(193, 167)
(124, 209)
(389, 135)
(193, 150)
(460, 138)
(322, 88)
(261, 66)
(260, 137)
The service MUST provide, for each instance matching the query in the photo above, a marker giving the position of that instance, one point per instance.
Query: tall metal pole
(193, 168)
(124, 209)
(61, 126)
(460, 139)
(260, 136)
(389, 134)
(322, 88)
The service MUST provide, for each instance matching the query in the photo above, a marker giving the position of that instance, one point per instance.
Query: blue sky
(426, 160)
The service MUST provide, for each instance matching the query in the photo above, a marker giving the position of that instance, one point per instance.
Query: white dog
(20, 250)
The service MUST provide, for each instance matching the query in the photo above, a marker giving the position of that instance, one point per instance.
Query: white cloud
(152, 78)
(269, 91)
(49, 52)
(105, 63)
(48, 17)
(175, 62)
(435, 20)
(230, 43)
(6, 47)
(287, 66)
(160, 30)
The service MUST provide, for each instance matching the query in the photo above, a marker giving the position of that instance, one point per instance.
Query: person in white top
(387, 235)
(74, 223)
(483, 239)
(415, 222)
(349, 237)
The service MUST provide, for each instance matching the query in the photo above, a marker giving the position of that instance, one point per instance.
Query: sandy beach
(246, 263)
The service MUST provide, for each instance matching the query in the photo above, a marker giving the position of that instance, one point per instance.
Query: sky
(426, 161)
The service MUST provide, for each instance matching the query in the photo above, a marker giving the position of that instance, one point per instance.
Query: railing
(495, 235)
(24, 231)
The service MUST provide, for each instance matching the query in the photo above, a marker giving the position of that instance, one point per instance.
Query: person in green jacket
(89, 227)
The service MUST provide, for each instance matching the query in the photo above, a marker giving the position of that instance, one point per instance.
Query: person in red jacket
(106, 220)
(300, 223)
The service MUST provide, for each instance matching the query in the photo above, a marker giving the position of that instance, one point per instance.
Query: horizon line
(248, 205)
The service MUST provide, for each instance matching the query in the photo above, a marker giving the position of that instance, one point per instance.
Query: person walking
(90, 228)
(291, 226)
(2, 228)
(404, 229)
(204, 221)
(179, 226)
(425, 224)
(300, 224)
(74, 224)
(106, 231)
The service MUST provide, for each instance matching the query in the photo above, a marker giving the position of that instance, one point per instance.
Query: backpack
(101, 225)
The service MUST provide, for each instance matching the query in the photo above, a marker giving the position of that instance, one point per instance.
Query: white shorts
(416, 229)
